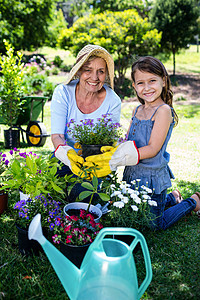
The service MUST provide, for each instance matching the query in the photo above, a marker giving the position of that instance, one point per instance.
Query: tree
(177, 21)
(57, 24)
(79, 7)
(123, 34)
(24, 23)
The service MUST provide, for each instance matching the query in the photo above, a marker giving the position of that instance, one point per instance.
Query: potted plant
(11, 91)
(25, 210)
(94, 190)
(33, 175)
(75, 234)
(130, 206)
(92, 136)
(3, 194)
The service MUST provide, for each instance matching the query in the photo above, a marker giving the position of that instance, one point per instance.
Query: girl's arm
(163, 119)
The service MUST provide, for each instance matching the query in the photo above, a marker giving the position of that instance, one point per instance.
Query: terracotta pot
(3, 202)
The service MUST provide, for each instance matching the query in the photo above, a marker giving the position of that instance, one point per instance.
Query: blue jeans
(164, 217)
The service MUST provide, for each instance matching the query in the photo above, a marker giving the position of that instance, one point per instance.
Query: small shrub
(57, 61)
(124, 89)
(55, 71)
(65, 68)
(48, 88)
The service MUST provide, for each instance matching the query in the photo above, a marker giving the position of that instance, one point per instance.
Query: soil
(186, 89)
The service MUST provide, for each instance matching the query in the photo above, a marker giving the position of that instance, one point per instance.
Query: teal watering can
(108, 269)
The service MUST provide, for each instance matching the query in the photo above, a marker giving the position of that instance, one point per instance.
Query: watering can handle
(138, 238)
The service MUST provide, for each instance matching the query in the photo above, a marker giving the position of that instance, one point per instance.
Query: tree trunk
(174, 63)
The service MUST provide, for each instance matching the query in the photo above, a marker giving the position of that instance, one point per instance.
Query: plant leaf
(88, 186)
(104, 197)
(95, 182)
(84, 195)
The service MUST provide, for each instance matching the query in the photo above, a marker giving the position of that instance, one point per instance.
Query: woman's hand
(125, 154)
(69, 157)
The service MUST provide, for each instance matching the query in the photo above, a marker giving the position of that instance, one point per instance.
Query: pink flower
(74, 218)
(67, 228)
(68, 239)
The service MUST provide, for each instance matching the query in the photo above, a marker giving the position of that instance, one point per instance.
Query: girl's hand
(125, 154)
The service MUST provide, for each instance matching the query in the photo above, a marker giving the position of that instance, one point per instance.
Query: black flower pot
(74, 253)
(3, 202)
(28, 247)
(88, 150)
(12, 138)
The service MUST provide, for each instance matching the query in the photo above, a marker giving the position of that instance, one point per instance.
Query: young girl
(144, 154)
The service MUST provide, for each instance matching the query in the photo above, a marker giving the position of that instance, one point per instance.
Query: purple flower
(6, 162)
(51, 226)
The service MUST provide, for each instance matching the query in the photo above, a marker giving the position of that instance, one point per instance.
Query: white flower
(130, 191)
(134, 207)
(138, 180)
(146, 197)
(125, 199)
(119, 204)
(137, 200)
(133, 196)
(143, 193)
(136, 193)
(124, 190)
(145, 188)
(115, 193)
(133, 182)
(152, 203)
(112, 186)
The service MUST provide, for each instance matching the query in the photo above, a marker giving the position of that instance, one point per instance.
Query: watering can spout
(67, 272)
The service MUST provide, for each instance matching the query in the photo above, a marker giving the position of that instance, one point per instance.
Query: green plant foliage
(57, 61)
(124, 34)
(25, 23)
(33, 174)
(12, 85)
(178, 22)
(79, 7)
(56, 24)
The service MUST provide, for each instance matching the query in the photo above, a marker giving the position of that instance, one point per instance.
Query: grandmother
(87, 94)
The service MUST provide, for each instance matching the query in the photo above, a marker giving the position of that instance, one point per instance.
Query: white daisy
(119, 204)
(134, 207)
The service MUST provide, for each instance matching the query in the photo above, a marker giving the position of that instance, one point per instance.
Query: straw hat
(83, 56)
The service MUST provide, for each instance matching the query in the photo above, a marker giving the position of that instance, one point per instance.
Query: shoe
(197, 211)
(177, 196)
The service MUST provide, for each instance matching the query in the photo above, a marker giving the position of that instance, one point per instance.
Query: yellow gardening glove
(78, 146)
(69, 157)
(76, 162)
(101, 161)
(125, 154)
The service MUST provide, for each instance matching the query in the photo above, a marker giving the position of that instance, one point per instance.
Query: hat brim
(99, 53)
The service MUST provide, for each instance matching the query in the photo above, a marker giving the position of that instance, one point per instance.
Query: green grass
(174, 253)
(187, 61)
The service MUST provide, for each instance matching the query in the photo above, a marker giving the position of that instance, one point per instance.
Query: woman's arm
(163, 119)
(58, 139)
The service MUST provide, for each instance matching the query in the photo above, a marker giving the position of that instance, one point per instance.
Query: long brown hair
(154, 66)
